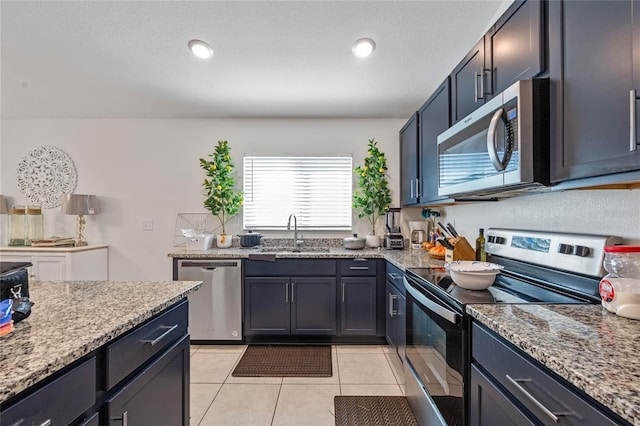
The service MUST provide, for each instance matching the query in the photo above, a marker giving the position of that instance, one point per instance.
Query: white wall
(604, 212)
(149, 169)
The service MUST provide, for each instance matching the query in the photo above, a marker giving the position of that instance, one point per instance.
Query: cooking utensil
(444, 230)
(354, 243)
(249, 239)
(452, 230)
(445, 243)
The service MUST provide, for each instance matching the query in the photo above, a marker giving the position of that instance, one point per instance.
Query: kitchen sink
(294, 250)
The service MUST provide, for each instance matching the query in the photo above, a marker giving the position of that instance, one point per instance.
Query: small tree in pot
(219, 184)
(373, 196)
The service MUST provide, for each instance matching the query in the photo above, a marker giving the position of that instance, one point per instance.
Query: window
(316, 189)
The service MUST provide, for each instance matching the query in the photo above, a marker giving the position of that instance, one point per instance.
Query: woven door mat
(373, 411)
(284, 361)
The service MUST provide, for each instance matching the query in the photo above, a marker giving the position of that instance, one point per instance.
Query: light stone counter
(72, 318)
(593, 349)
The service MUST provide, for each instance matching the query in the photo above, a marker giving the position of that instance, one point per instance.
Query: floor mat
(373, 410)
(284, 361)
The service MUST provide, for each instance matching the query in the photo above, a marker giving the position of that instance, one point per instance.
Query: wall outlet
(147, 224)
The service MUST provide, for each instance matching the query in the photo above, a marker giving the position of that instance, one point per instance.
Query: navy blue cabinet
(396, 302)
(508, 386)
(468, 83)
(358, 306)
(266, 305)
(409, 160)
(595, 84)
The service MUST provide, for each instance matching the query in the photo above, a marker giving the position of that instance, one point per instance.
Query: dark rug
(373, 411)
(284, 361)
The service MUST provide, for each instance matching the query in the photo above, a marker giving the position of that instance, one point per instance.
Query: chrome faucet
(296, 243)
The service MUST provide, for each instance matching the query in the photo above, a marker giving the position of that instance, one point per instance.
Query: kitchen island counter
(70, 319)
(591, 348)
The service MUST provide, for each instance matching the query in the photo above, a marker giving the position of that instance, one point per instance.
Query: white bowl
(472, 266)
(474, 280)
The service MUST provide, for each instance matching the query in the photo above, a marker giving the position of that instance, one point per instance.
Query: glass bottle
(481, 255)
(620, 288)
(17, 225)
(35, 224)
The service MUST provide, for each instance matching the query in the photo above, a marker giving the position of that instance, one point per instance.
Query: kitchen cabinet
(512, 50)
(594, 66)
(409, 160)
(395, 312)
(358, 297)
(434, 118)
(86, 263)
(509, 388)
(300, 304)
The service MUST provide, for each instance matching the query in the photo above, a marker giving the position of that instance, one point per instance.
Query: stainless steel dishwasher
(215, 311)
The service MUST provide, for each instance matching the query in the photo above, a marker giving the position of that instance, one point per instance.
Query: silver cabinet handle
(124, 418)
(491, 141)
(286, 293)
(343, 284)
(411, 184)
(475, 87)
(418, 188)
(359, 268)
(392, 311)
(293, 288)
(46, 423)
(531, 398)
(155, 341)
(633, 142)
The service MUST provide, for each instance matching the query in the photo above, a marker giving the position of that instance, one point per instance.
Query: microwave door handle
(491, 141)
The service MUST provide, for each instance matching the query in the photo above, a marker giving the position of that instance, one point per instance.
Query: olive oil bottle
(481, 255)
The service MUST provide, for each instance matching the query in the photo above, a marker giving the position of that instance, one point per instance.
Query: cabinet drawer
(394, 276)
(73, 393)
(290, 267)
(138, 346)
(531, 385)
(358, 267)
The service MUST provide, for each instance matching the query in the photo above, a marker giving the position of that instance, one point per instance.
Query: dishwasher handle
(208, 265)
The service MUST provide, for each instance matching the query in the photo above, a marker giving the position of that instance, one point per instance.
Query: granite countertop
(401, 258)
(593, 349)
(72, 318)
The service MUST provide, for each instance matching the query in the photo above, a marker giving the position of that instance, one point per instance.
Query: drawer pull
(157, 340)
(124, 418)
(531, 398)
(46, 423)
(359, 268)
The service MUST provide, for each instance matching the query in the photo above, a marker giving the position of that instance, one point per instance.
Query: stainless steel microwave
(499, 149)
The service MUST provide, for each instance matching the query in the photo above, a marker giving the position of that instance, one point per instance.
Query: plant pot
(373, 241)
(224, 241)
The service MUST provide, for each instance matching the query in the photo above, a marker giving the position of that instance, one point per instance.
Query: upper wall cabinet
(409, 162)
(512, 50)
(594, 60)
(418, 149)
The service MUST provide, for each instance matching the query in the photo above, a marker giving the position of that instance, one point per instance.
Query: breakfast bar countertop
(70, 319)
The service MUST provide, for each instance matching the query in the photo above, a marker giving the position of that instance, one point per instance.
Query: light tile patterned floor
(217, 398)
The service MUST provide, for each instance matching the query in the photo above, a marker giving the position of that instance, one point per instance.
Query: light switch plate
(147, 224)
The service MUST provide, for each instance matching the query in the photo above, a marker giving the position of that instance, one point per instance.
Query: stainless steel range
(539, 267)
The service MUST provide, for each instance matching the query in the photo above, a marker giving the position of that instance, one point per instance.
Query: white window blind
(316, 189)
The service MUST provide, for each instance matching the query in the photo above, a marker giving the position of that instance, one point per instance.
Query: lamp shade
(3, 205)
(76, 204)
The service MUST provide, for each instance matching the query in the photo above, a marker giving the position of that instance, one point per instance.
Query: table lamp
(79, 204)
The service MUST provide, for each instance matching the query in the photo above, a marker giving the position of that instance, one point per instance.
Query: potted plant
(219, 184)
(373, 196)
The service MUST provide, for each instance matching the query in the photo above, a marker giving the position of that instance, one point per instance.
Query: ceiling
(273, 59)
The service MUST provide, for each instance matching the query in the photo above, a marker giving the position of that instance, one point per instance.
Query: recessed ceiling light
(201, 49)
(363, 47)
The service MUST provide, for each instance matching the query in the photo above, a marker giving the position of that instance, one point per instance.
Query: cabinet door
(591, 67)
(468, 83)
(391, 323)
(489, 406)
(409, 162)
(266, 305)
(159, 395)
(514, 45)
(434, 118)
(313, 305)
(358, 306)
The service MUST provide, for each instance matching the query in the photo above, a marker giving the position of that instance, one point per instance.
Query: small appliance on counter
(418, 233)
(393, 239)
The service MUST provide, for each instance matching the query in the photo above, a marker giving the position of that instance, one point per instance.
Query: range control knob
(565, 248)
(581, 251)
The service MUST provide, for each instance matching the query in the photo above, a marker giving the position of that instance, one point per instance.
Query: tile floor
(217, 398)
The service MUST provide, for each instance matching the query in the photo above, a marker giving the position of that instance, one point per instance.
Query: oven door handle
(441, 311)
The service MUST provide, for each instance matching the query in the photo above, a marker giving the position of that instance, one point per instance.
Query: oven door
(435, 351)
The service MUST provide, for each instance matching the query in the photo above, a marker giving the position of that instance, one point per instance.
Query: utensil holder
(462, 250)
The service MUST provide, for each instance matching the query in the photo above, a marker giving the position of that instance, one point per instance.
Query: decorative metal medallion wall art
(45, 174)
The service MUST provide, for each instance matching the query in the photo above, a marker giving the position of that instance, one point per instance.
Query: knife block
(462, 250)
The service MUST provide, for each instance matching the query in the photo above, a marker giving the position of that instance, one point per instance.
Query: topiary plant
(373, 196)
(219, 184)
